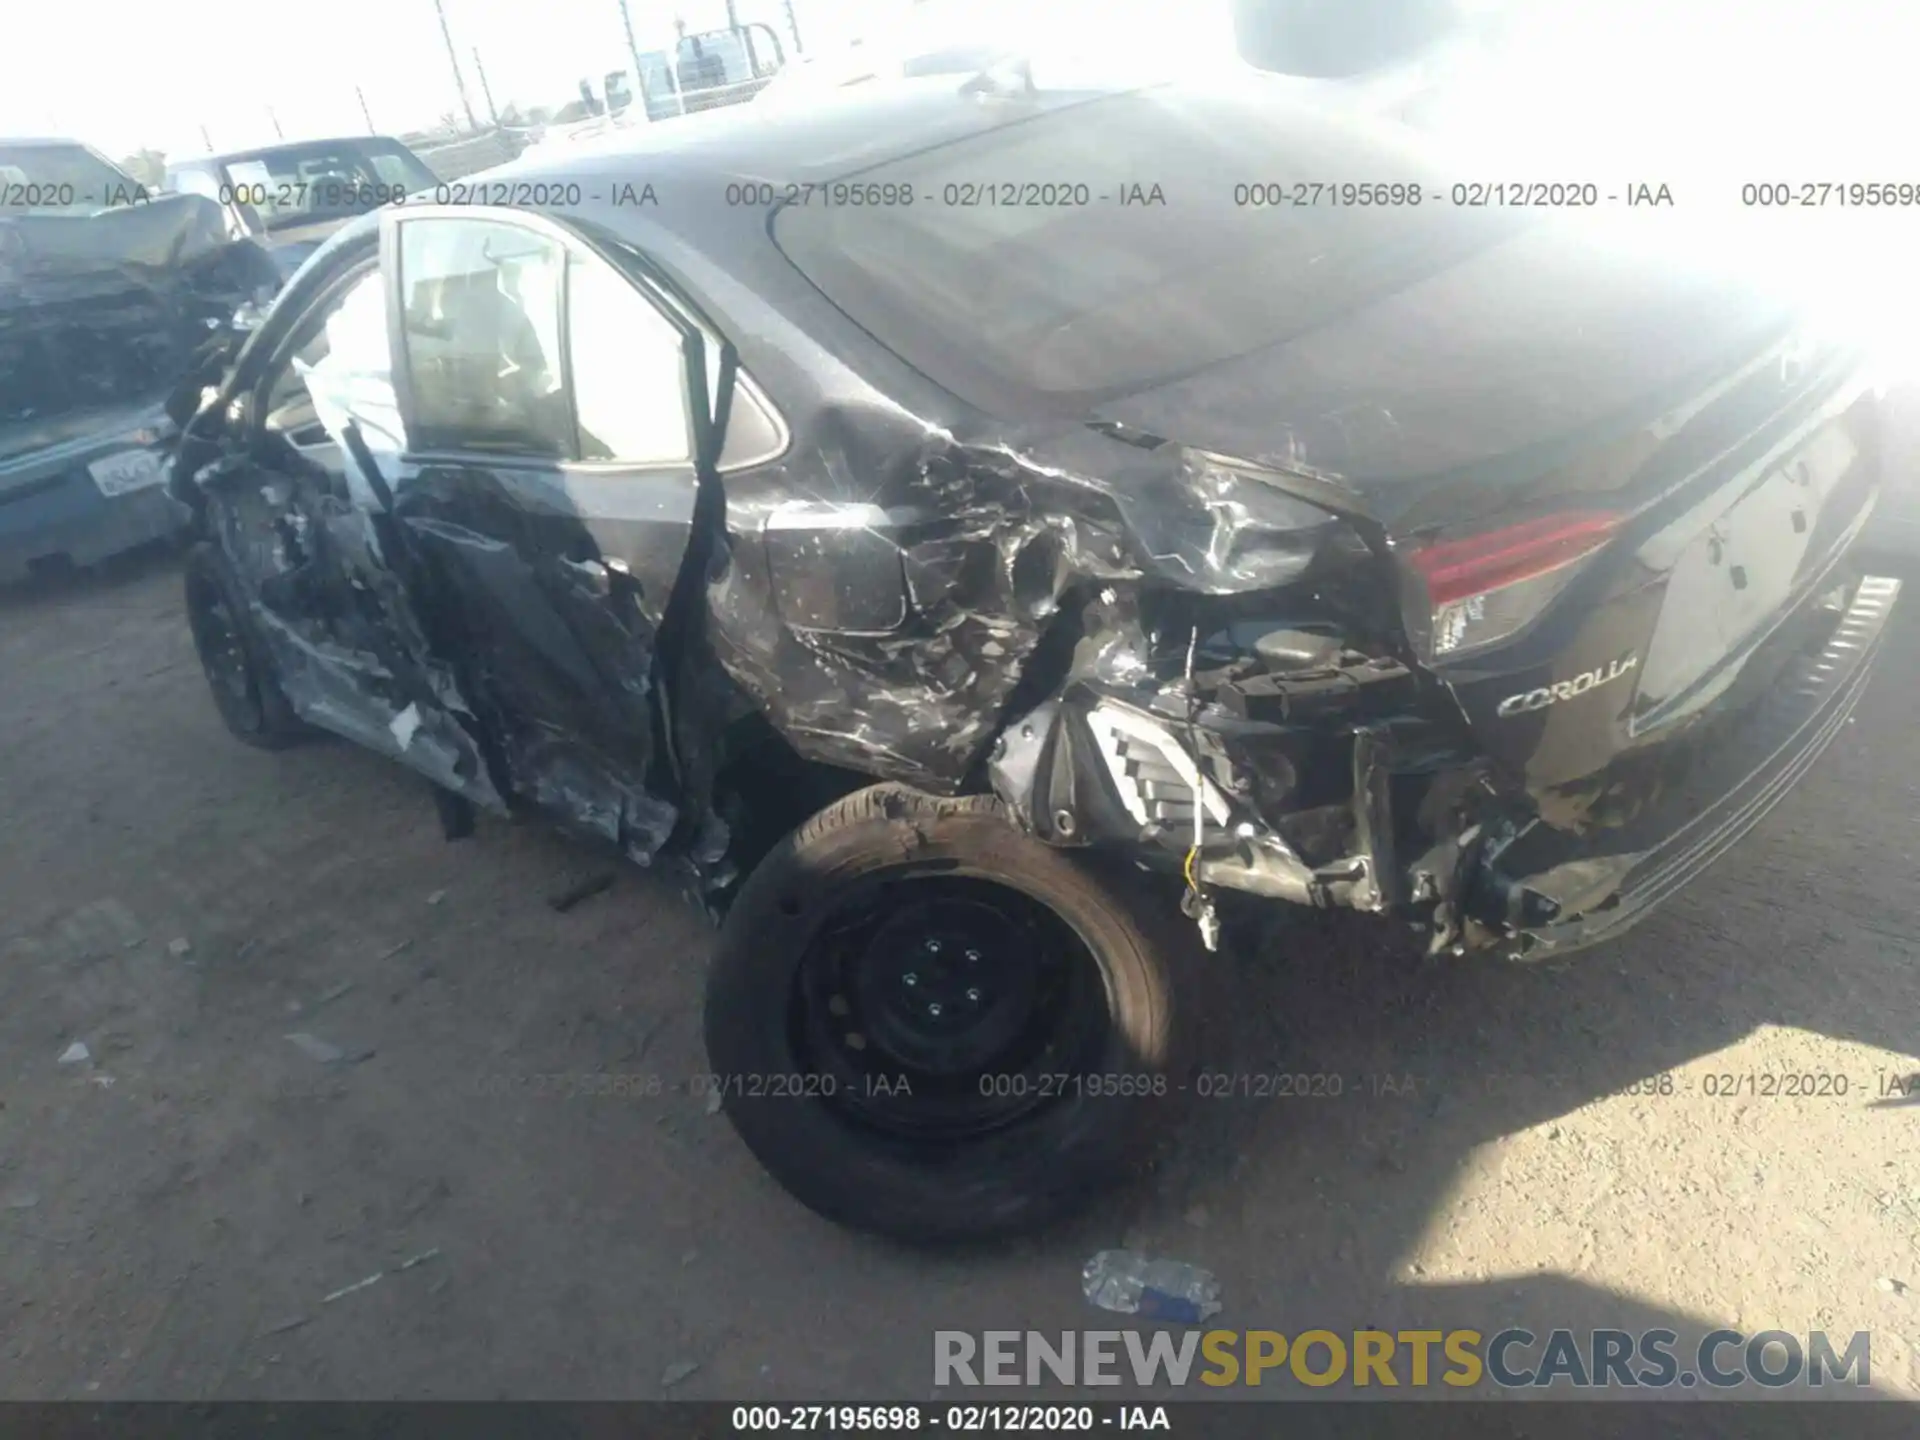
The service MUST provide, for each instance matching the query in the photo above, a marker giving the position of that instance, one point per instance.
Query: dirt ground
(176, 1209)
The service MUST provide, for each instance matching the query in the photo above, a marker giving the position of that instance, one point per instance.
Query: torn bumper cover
(1222, 796)
(1560, 896)
(1323, 789)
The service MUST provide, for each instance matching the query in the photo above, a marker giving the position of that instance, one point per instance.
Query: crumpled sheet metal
(995, 530)
(557, 642)
(128, 305)
(992, 535)
(555, 709)
(347, 688)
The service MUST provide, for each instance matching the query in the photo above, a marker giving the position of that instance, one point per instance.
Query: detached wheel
(928, 1025)
(238, 671)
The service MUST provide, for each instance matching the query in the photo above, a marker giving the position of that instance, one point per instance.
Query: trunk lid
(1653, 472)
(1452, 397)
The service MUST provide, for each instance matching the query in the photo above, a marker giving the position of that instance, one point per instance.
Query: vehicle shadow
(1328, 1199)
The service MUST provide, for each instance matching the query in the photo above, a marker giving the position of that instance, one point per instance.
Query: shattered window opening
(347, 372)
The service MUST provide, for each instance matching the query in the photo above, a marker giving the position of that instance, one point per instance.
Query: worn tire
(237, 668)
(1009, 1180)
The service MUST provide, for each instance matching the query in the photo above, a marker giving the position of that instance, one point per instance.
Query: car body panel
(560, 640)
(1436, 376)
(1736, 519)
(1543, 339)
(1523, 86)
(509, 610)
(1064, 594)
(1562, 895)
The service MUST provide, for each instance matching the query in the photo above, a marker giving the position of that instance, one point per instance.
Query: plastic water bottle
(1131, 1284)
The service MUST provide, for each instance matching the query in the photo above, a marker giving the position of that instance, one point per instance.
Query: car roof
(865, 126)
(690, 159)
(718, 246)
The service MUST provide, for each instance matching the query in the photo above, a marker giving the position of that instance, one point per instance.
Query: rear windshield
(310, 183)
(57, 179)
(1038, 262)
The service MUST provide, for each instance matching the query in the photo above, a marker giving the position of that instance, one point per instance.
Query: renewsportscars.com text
(1410, 1359)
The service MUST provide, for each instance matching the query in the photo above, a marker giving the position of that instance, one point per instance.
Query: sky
(137, 76)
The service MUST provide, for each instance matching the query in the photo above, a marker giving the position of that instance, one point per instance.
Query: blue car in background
(116, 306)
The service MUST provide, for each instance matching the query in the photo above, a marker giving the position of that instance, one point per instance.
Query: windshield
(304, 184)
(57, 179)
(1118, 245)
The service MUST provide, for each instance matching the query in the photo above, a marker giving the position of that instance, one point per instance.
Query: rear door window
(629, 369)
(480, 307)
(348, 367)
(337, 371)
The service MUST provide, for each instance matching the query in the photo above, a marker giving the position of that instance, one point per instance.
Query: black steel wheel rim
(223, 655)
(936, 1007)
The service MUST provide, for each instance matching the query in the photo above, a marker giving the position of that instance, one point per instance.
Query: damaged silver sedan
(974, 551)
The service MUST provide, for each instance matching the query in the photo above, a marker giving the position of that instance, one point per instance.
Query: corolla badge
(1529, 700)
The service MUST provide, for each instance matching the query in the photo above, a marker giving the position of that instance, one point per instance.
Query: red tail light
(1455, 569)
(1483, 588)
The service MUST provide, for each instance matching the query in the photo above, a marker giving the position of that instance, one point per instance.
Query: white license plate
(129, 470)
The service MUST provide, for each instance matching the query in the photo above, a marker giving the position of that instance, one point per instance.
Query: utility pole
(639, 76)
(793, 27)
(453, 59)
(206, 139)
(281, 134)
(365, 114)
(486, 90)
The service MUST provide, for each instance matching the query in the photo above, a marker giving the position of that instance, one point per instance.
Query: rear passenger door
(547, 490)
